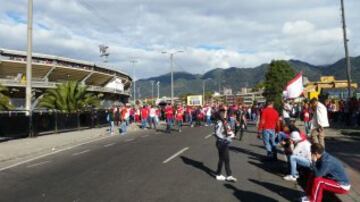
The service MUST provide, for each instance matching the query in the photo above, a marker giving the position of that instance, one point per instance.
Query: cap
(295, 136)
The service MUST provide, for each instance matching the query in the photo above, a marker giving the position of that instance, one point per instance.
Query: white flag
(295, 87)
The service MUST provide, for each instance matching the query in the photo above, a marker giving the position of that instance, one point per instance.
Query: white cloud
(244, 33)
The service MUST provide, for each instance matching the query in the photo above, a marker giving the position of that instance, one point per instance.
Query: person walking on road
(267, 125)
(169, 114)
(240, 122)
(224, 135)
(319, 122)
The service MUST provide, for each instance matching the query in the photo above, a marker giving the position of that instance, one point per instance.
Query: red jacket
(269, 118)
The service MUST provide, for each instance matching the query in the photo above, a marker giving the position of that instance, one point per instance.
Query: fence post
(78, 119)
(56, 121)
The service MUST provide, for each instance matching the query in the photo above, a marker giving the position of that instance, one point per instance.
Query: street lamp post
(204, 88)
(346, 40)
(28, 95)
(158, 90)
(133, 61)
(172, 71)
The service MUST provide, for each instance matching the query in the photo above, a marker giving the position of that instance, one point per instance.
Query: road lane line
(82, 152)
(52, 153)
(38, 164)
(208, 136)
(175, 155)
(129, 140)
(109, 145)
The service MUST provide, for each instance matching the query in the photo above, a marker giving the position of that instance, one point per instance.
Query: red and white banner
(295, 87)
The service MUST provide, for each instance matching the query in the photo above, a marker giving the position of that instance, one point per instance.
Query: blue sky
(213, 34)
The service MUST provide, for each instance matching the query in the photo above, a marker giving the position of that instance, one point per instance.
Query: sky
(212, 33)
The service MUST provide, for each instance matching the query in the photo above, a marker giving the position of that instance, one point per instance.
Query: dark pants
(223, 149)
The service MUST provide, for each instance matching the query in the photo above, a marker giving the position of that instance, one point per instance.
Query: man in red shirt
(169, 114)
(268, 120)
(144, 117)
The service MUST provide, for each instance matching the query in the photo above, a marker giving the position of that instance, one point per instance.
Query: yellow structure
(313, 89)
(195, 100)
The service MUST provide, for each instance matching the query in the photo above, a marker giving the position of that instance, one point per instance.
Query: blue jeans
(169, 124)
(143, 123)
(123, 127)
(232, 123)
(307, 128)
(281, 136)
(269, 141)
(298, 160)
(208, 120)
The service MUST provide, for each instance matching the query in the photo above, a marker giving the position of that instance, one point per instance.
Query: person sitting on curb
(301, 154)
(328, 175)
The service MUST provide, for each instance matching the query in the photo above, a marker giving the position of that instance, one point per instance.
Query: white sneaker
(291, 178)
(220, 178)
(305, 199)
(231, 179)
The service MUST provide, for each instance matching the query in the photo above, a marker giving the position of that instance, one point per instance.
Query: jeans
(112, 127)
(269, 142)
(298, 160)
(169, 124)
(153, 122)
(208, 120)
(123, 127)
(223, 150)
(281, 136)
(307, 128)
(232, 123)
(143, 123)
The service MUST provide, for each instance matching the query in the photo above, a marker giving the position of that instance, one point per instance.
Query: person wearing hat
(301, 154)
(224, 135)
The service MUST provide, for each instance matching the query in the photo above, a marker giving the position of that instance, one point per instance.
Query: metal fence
(16, 124)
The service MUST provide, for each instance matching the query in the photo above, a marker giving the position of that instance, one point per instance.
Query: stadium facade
(50, 70)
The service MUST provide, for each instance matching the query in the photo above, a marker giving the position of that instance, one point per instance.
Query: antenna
(103, 49)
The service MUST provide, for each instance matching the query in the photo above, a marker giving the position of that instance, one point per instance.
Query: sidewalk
(22, 149)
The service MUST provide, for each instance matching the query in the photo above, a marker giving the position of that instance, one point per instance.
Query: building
(248, 97)
(336, 89)
(50, 70)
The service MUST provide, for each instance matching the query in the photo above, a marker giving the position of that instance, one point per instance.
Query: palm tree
(4, 100)
(69, 97)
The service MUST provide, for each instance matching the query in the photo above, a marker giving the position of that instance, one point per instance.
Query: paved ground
(132, 168)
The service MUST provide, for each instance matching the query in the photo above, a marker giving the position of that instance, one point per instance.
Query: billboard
(195, 100)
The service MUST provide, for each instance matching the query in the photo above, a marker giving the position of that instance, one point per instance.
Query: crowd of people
(303, 147)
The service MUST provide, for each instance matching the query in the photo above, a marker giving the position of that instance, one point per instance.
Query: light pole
(204, 88)
(158, 89)
(152, 89)
(28, 95)
(346, 40)
(172, 71)
(133, 61)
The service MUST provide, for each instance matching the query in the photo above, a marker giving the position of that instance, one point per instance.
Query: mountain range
(236, 78)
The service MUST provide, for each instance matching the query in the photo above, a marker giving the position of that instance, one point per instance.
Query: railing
(16, 124)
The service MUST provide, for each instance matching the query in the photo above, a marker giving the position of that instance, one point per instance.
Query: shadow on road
(287, 193)
(278, 168)
(199, 165)
(248, 195)
(245, 151)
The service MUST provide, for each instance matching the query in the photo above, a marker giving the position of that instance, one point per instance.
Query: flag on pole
(295, 87)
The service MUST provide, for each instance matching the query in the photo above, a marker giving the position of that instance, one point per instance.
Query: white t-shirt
(286, 110)
(152, 112)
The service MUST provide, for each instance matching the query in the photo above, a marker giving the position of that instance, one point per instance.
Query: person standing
(224, 135)
(169, 114)
(110, 119)
(123, 122)
(208, 113)
(240, 122)
(153, 119)
(287, 109)
(267, 125)
(306, 118)
(144, 117)
(179, 117)
(319, 122)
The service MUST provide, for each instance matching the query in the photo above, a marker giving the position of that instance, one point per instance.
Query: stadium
(50, 70)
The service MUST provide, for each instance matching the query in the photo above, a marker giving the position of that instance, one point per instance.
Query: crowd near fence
(17, 124)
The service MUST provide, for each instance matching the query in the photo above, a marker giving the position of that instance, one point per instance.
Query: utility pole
(204, 92)
(346, 40)
(133, 61)
(152, 89)
(28, 95)
(158, 89)
(172, 72)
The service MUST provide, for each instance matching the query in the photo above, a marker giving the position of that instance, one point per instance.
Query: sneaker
(220, 178)
(231, 179)
(291, 178)
(305, 199)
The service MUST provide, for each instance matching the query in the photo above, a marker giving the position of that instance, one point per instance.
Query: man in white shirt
(319, 122)
(301, 155)
(286, 112)
(153, 119)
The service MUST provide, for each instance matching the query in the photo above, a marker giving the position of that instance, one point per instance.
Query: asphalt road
(153, 166)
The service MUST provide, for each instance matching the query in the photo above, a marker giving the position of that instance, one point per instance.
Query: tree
(4, 100)
(69, 97)
(276, 79)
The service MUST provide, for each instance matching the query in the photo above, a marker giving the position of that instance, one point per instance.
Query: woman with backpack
(224, 135)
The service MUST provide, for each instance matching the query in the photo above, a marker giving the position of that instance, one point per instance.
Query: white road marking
(129, 140)
(38, 164)
(175, 155)
(51, 153)
(109, 145)
(82, 152)
(208, 136)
